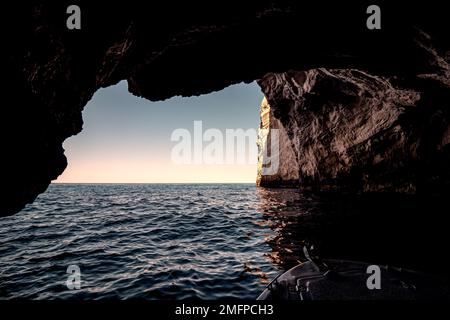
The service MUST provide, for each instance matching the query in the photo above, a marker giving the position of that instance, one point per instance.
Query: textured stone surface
(353, 131)
(168, 48)
(282, 165)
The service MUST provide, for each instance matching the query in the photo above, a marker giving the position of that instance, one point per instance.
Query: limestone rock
(354, 131)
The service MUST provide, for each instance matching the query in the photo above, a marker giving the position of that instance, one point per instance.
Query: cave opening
(127, 139)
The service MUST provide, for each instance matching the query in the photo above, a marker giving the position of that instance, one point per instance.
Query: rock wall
(350, 130)
(277, 164)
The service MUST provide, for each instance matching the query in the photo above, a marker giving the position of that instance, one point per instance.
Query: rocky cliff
(350, 130)
(168, 48)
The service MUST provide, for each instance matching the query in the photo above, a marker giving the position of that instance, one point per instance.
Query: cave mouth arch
(199, 48)
(126, 139)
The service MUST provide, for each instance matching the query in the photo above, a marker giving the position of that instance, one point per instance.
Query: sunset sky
(126, 139)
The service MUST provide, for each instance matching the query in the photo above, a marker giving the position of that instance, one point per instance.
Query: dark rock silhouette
(166, 48)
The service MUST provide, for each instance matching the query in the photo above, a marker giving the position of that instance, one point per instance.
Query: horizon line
(237, 182)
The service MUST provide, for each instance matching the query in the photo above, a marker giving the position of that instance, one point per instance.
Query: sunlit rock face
(277, 159)
(354, 131)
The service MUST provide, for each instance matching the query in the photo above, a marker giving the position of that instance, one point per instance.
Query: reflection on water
(285, 211)
(405, 231)
(203, 241)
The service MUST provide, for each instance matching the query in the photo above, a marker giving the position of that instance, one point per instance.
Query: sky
(126, 139)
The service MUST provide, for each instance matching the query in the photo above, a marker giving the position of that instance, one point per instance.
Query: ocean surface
(138, 241)
(178, 241)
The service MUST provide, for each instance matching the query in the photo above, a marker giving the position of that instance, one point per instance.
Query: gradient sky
(126, 139)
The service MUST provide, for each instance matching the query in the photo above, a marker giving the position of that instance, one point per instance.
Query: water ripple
(137, 241)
